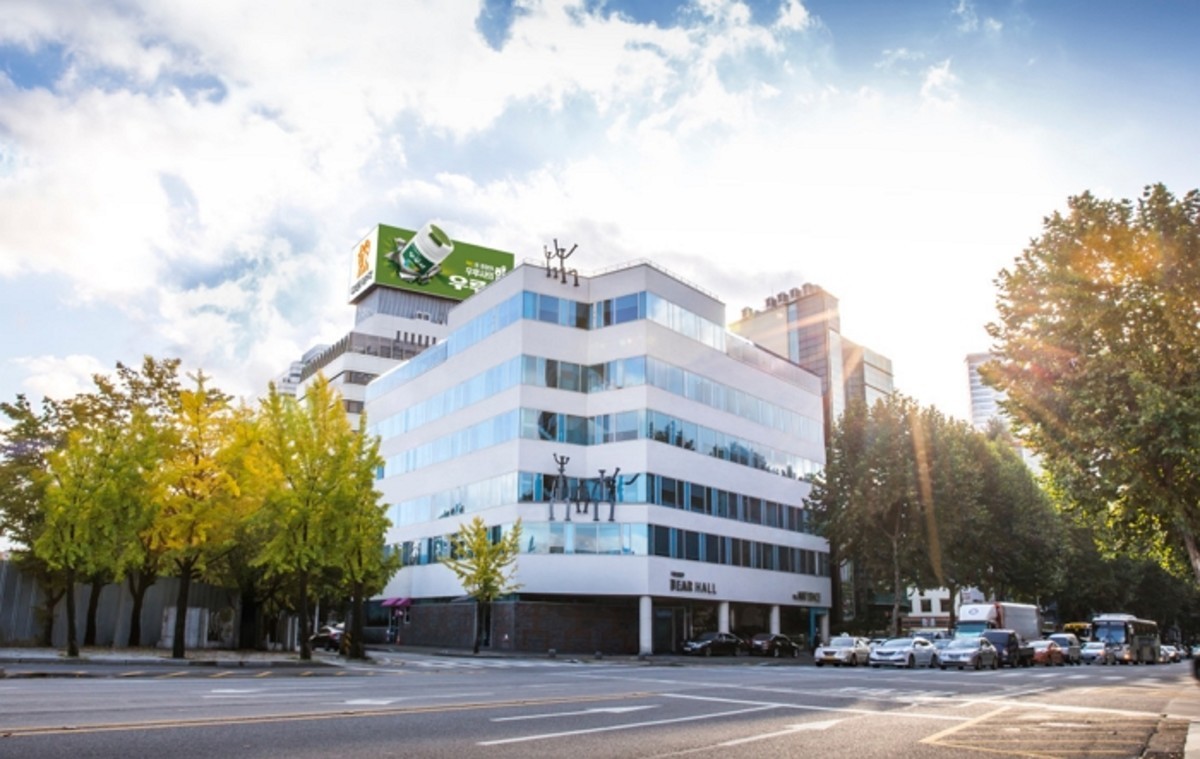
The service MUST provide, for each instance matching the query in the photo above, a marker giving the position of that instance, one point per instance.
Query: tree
(922, 500)
(311, 462)
(24, 450)
(202, 505)
(83, 529)
(482, 560)
(1098, 345)
(866, 500)
(360, 547)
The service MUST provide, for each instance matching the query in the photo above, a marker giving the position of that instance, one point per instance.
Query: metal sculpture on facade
(562, 255)
(589, 491)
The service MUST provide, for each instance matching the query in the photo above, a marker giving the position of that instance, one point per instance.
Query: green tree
(1098, 349)
(319, 498)
(83, 529)
(25, 447)
(202, 504)
(482, 560)
(361, 550)
(866, 501)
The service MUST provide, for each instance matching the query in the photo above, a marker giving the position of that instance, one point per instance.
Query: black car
(767, 644)
(1012, 651)
(714, 644)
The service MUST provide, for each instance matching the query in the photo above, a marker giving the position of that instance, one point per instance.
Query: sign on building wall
(425, 260)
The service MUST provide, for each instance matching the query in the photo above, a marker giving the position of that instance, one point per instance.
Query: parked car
(714, 644)
(905, 652)
(1096, 652)
(974, 651)
(874, 642)
(767, 644)
(843, 650)
(1013, 653)
(328, 637)
(1169, 654)
(1048, 653)
(1072, 650)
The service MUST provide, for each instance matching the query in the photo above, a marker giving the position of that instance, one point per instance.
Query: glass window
(608, 538)
(662, 540)
(625, 309)
(691, 545)
(635, 371)
(569, 376)
(635, 539)
(547, 309)
(626, 426)
(547, 425)
(585, 538)
(557, 539)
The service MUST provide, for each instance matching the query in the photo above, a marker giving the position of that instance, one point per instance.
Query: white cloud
(59, 378)
(793, 17)
(939, 88)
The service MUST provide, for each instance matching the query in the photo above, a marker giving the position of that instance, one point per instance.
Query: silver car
(974, 651)
(905, 652)
(843, 649)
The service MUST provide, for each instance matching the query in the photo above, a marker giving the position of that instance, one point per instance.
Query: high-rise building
(654, 461)
(401, 302)
(985, 399)
(804, 325)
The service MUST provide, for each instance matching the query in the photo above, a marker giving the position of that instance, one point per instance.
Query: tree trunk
(250, 629)
(953, 617)
(896, 589)
(89, 633)
(181, 605)
(355, 630)
(1189, 542)
(72, 635)
(305, 644)
(139, 582)
(52, 596)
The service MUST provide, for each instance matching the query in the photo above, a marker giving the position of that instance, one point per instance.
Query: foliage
(202, 502)
(911, 498)
(318, 497)
(1098, 342)
(483, 564)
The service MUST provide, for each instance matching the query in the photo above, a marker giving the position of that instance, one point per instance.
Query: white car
(973, 651)
(905, 652)
(843, 650)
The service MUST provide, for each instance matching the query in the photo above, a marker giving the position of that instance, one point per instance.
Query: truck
(1023, 619)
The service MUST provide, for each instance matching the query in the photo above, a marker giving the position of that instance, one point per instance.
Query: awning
(396, 603)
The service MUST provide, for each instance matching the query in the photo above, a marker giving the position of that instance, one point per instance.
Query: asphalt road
(432, 706)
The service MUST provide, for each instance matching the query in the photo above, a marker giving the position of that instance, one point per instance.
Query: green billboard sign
(425, 260)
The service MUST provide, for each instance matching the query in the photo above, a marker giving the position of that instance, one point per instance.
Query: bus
(1133, 640)
(1081, 630)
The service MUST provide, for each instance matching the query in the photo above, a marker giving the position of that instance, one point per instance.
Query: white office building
(654, 460)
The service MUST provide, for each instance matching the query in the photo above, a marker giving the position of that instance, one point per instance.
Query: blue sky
(184, 179)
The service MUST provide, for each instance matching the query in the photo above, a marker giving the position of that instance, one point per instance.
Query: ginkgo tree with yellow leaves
(202, 501)
(319, 500)
(482, 559)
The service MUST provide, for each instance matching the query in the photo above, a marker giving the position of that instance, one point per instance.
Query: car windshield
(1094, 644)
(1042, 643)
(761, 637)
(963, 643)
(1061, 640)
(898, 643)
(842, 641)
(708, 636)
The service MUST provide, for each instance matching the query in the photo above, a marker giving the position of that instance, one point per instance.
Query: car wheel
(874, 666)
(820, 664)
(995, 664)
(933, 661)
(912, 663)
(943, 667)
(978, 663)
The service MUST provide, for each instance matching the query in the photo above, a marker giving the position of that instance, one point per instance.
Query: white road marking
(825, 725)
(599, 710)
(630, 726)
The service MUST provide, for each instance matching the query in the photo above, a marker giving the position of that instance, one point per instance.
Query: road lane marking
(791, 729)
(598, 710)
(628, 726)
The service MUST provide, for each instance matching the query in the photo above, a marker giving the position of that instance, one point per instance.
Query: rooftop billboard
(424, 260)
